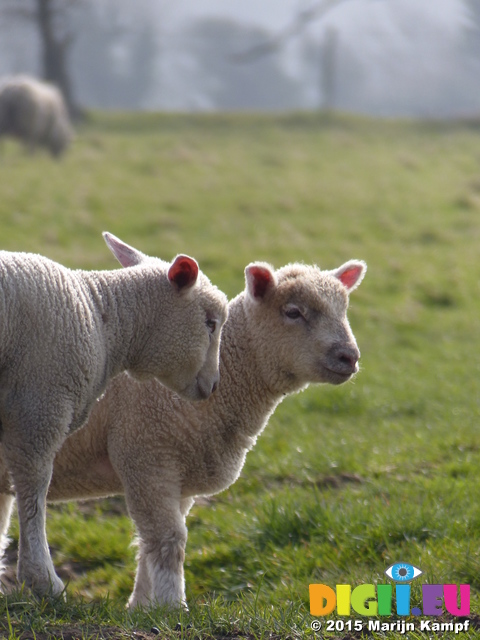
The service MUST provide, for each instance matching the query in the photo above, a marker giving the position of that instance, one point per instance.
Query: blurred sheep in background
(34, 112)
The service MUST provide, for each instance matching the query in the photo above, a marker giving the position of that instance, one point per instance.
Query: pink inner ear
(261, 280)
(126, 255)
(350, 276)
(183, 272)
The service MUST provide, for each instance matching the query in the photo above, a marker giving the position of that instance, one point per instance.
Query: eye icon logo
(402, 572)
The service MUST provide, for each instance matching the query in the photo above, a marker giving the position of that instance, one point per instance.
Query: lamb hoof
(50, 586)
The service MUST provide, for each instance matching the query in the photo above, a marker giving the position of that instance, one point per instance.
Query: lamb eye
(293, 313)
(212, 325)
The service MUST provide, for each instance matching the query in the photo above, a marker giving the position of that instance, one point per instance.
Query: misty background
(381, 57)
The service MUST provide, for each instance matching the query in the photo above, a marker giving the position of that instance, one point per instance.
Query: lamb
(286, 330)
(35, 113)
(64, 334)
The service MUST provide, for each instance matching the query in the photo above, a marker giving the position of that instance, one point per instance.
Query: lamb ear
(351, 274)
(124, 253)
(183, 272)
(260, 279)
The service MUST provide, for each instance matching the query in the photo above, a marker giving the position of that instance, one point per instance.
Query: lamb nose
(349, 359)
(214, 387)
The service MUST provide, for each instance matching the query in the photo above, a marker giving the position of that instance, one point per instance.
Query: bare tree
(327, 50)
(218, 83)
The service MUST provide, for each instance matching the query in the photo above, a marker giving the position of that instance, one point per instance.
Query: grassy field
(344, 481)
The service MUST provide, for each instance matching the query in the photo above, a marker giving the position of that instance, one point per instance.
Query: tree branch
(316, 11)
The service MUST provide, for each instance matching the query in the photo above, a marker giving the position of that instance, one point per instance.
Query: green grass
(344, 481)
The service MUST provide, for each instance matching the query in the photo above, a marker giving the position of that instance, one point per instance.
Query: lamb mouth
(340, 376)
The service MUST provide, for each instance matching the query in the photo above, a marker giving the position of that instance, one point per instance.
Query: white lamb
(287, 329)
(64, 334)
(35, 113)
